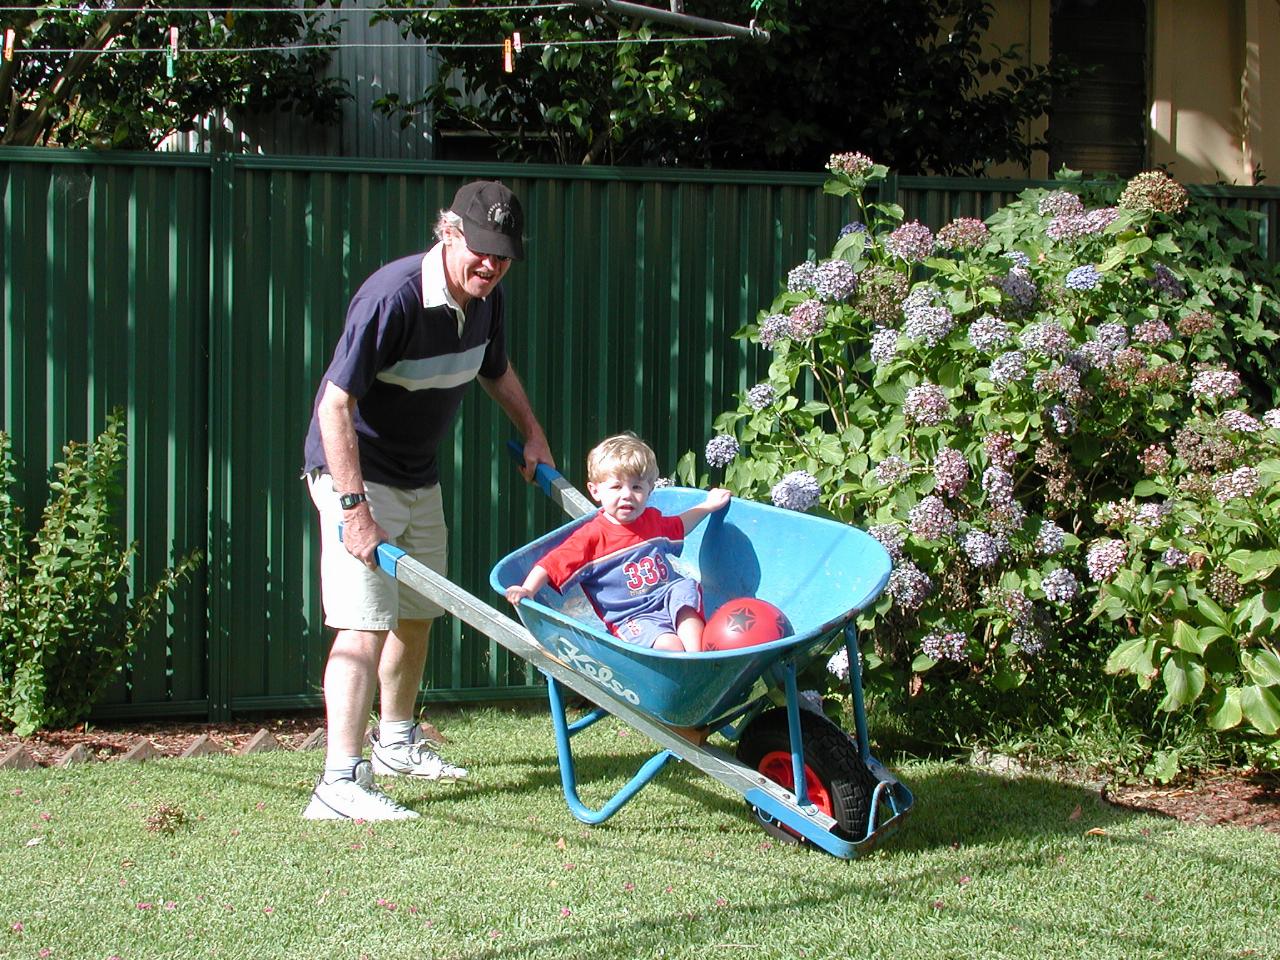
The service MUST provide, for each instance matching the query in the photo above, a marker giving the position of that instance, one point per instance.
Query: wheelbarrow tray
(820, 573)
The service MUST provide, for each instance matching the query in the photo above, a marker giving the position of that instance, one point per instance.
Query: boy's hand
(717, 498)
(517, 593)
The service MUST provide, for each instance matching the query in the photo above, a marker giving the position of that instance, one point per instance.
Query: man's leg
(349, 681)
(404, 657)
(397, 750)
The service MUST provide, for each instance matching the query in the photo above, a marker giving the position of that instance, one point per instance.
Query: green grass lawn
(985, 867)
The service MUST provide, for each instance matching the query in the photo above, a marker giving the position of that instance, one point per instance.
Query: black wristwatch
(349, 501)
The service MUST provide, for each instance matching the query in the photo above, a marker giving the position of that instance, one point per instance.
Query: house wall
(1209, 85)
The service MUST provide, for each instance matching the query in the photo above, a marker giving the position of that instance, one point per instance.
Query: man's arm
(508, 391)
(361, 535)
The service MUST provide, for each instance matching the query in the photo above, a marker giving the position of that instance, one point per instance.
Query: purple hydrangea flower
(1060, 586)
(797, 490)
(1239, 421)
(1047, 337)
(721, 450)
(926, 405)
(930, 519)
(851, 164)
(1165, 281)
(1060, 203)
(1083, 278)
(808, 319)
(1018, 258)
(989, 334)
(801, 277)
(891, 469)
(775, 328)
(1029, 640)
(909, 586)
(854, 226)
(1272, 418)
(950, 471)
(1019, 287)
(982, 549)
(1152, 332)
(1174, 557)
(834, 280)
(1242, 483)
(999, 450)
(945, 644)
(1009, 367)
(998, 484)
(911, 242)
(760, 396)
(1050, 539)
(926, 321)
(1061, 419)
(1215, 384)
(964, 233)
(1113, 335)
(838, 664)
(1105, 558)
(884, 345)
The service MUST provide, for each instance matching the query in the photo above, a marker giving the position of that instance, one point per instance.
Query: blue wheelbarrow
(802, 776)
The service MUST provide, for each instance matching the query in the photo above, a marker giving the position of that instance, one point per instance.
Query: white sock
(339, 768)
(395, 731)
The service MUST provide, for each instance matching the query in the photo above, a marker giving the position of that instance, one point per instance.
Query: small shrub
(977, 398)
(65, 625)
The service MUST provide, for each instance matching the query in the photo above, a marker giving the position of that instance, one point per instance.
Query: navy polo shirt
(407, 358)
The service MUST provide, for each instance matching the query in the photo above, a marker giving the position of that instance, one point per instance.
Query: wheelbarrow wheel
(839, 783)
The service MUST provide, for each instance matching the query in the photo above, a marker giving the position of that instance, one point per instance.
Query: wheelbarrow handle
(388, 553)
(544, 474)
(553, 484)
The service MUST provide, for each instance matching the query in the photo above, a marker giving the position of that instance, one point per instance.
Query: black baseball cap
(492, 219)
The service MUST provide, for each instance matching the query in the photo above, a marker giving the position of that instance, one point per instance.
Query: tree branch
(35, 126)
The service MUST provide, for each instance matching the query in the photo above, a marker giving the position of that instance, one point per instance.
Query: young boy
(621, 556)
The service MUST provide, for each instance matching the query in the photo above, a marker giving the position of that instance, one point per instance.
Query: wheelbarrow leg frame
(770, 798)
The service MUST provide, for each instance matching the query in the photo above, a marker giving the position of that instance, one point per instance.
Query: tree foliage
(89, 74)
(911, 78)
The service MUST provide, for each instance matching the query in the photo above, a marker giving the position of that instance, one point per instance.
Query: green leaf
(922, 663)
(1137, 246)
(1132, 656)
(1263, 667)
(1212, 612)
(1225, 711)
(1187, 638)
(1184, 679)
(1261, 708)
(1253, 565)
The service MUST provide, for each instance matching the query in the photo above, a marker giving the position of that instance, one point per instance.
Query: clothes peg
(517, 42)
(508, 56)
(8, 44)
(171, 56)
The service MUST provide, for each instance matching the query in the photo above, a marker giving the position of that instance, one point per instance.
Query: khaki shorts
(359, 598)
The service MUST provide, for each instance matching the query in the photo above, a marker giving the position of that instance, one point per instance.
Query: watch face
(349, 500)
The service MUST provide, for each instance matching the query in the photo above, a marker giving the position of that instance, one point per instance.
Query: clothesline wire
(292, 11)
(196, 51)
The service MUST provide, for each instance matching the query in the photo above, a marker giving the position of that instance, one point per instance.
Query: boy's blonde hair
(622, 455)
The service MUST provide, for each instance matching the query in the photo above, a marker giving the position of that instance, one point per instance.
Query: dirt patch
(170, 739)
(1238, 799)
(1233, 798)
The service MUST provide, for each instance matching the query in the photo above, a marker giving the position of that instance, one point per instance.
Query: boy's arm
(535, 581)
(717, 499)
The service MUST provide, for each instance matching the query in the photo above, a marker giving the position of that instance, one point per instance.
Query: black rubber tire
(829, 754)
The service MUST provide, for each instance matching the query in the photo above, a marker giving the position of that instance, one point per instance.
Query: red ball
(744, 622)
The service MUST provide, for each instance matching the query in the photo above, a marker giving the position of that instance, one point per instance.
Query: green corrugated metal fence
(204, 294)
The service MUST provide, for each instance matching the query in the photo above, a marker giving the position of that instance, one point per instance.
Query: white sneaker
(354, 799)
(413, 759)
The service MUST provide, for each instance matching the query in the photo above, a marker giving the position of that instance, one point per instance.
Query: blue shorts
(645, 629)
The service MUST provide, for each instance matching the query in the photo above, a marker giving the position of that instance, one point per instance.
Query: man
(417, 332)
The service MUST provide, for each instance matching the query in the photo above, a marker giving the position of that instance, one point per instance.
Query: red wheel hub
(777, 767)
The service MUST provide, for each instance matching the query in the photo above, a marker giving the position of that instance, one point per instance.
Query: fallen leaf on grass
(1095, 832)
(1075, 814)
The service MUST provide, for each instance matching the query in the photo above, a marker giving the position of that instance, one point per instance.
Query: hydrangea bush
(1027, 413)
